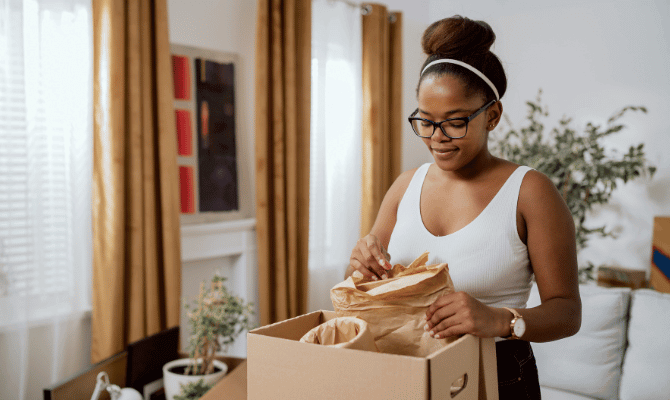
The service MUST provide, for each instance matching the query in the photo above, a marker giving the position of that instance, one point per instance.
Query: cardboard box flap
(327, 315)
(287, 333)
(488, 370)
(292, 329)
(451, 363)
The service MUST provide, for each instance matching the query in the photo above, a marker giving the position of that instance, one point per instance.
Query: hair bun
(456, 37)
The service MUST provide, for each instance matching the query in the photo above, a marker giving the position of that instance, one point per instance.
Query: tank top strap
(512, 186)
(505, 202)
(412, 194)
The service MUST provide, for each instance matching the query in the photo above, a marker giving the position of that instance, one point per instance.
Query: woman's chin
(447, 161)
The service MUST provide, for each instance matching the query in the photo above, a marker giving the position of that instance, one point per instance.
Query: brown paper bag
(344, 332)
(395, 308)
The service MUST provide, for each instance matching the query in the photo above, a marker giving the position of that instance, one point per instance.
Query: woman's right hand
(370, 258)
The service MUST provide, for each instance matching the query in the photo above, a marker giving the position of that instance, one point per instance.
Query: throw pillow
(588, 363)
(646, 366)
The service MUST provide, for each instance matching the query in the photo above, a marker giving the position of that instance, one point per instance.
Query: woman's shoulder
(401, 183)
(403, 180)
(534, 185)
(406, 177)
(538, 194)
(534, 182)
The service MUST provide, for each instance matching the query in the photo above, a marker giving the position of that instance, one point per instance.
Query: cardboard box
(233, 386)
(621, 277)
(660, 257)
(281, 367)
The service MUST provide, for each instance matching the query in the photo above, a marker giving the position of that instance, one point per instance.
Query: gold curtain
(382, 108)
(136, 233)
(283, 57)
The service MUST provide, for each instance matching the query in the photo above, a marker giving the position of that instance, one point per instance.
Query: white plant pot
(172, 382)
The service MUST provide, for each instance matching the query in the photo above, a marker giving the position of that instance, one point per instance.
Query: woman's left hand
(459, 313)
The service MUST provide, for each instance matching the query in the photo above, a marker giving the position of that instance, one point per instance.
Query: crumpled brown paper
(395, 308)
(342, 332)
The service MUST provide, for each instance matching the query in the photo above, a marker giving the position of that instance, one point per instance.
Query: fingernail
(437, 336)
(375, 278)
(432, 333)
(381, 262)
(425, 327)
(384, 276)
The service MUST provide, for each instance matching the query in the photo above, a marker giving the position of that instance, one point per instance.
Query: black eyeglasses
(454, 128)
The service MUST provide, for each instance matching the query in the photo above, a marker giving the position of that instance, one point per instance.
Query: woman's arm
(370, 249)
(550, 232)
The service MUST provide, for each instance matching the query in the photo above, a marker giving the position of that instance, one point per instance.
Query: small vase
(172, 382)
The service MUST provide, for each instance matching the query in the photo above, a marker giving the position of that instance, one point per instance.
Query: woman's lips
(444, 153)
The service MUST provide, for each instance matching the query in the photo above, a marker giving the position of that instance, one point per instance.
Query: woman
(495, 223)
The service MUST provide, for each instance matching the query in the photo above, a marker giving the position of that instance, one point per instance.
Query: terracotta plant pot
(172, 381)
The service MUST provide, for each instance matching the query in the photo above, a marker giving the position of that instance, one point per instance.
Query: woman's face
(442, 97)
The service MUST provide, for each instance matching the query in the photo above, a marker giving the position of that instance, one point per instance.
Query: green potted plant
(580, 166)
(216, 318)
(193, 390)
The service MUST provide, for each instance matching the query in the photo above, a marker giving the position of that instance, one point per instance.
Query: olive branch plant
(216, 318)
(584, 171)
(193, 390)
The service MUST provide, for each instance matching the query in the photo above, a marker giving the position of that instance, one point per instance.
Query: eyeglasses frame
(436, 124)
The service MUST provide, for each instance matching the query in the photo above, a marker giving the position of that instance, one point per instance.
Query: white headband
(464, 65)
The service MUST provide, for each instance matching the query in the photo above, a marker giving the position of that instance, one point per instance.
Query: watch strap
(517, 316)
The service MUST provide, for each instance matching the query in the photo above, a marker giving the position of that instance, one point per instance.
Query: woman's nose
(439, 136)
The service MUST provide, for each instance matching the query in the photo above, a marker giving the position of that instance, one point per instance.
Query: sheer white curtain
(45, 192)
(335, 166)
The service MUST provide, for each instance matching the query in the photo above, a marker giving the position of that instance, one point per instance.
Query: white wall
(590, 59)
(415, 14)
(226, 26)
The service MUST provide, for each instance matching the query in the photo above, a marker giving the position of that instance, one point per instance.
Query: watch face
(519, 327)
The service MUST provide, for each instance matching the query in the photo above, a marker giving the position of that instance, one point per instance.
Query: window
(45, 158)
(335, 145)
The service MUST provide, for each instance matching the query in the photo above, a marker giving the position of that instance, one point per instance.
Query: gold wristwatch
(517, 326)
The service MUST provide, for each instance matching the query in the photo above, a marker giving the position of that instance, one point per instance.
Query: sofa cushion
(646, 366)
(588, 363)
(556, 394)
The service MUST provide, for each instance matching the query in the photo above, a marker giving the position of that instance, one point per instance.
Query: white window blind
(45, 158)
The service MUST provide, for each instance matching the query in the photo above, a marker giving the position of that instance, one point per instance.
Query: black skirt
(517, 371)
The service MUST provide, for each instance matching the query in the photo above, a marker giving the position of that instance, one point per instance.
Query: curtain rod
(365, 9)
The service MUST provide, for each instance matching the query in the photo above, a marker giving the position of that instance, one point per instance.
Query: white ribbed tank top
(486, 258)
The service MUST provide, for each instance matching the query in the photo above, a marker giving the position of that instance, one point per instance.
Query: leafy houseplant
(193, 390)
(584, 172)
(216, 318)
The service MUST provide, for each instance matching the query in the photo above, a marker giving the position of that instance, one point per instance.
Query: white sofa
(622, 350)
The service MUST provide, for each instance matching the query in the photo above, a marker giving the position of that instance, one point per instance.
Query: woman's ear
(493, 115)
